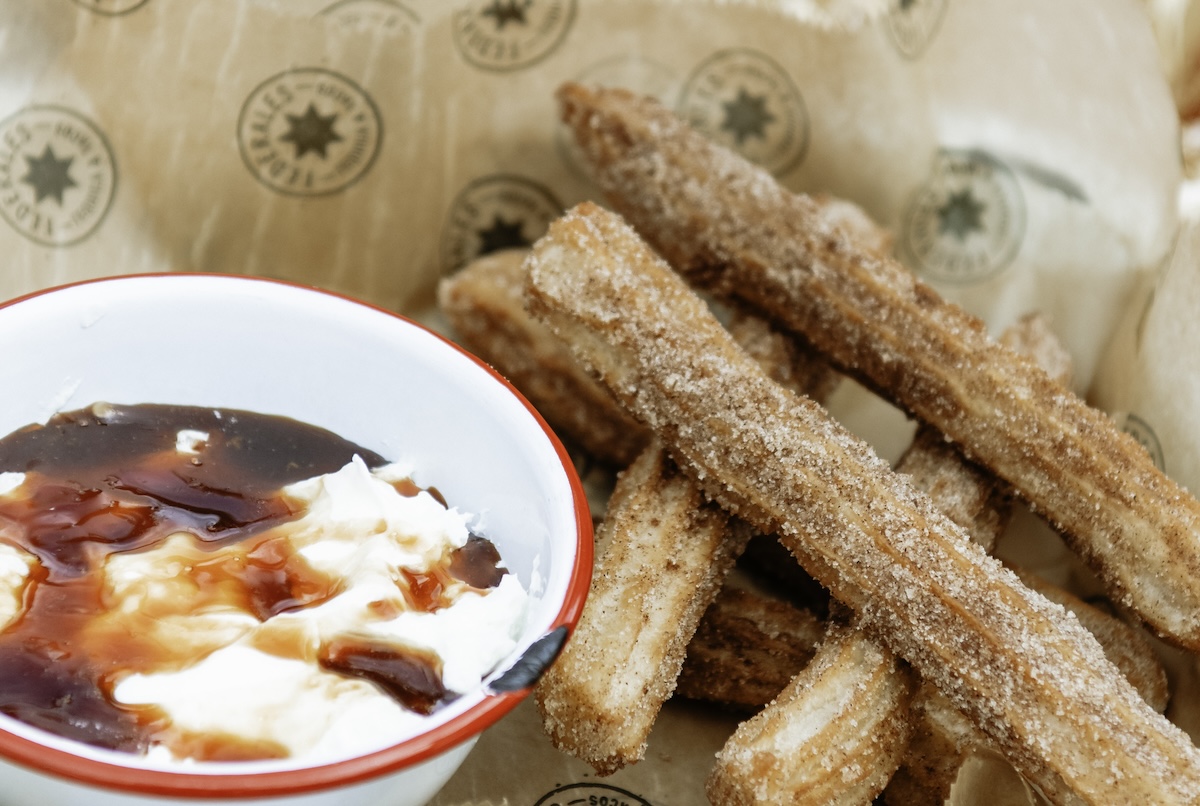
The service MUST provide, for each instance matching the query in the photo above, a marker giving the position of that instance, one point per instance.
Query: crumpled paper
(1024, 154)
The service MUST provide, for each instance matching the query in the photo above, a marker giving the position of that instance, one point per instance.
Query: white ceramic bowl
(370, 376)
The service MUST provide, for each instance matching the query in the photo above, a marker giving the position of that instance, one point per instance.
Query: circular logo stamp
(385, 17)
(1140, 430)
(57, 175)
(634, 72)
(503, 35)
(309, 132)
(912, 24)
(591, 795)
(967, 222)
(743, 100)
(496, 212)
(111, 8)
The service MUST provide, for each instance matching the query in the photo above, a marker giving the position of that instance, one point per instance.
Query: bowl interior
(366, 374)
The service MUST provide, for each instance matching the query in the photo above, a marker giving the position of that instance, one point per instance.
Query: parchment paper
(1024, 154)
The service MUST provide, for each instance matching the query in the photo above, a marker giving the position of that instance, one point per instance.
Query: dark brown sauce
(477, 563)
(109, 479)
(411, 676)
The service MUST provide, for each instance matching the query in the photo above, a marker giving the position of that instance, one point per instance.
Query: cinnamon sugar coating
(1025, 672)
(731, 229)
(831, 736)
(666, 552)
(484, 302)
(867, 740)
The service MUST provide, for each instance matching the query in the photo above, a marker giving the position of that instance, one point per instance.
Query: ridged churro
(666, 552)
(824, 738)
(871, 737)
(974, 500)
(484, 303)
(971, 496)
(943, 737)
(731, 229)
(1025, 672)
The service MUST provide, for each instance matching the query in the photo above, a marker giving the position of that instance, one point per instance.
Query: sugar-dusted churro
(822, 739)
(971, 496)
(869, 737)
(943, 737)
(665, 554)
(730, 228)
(1026, 673)
(1126, 646)
(484, 303)
(746, 649)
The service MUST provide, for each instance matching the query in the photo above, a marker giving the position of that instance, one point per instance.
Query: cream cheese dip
(203, 585)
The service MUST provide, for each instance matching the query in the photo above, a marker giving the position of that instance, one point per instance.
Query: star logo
(311, 131)
(743, 100)
(503, 35)
(502, 234)
(58, 172)
(746, 116)
(967, 222)
(49, 176)
(961, 215)
(493, 213)
(505, 11)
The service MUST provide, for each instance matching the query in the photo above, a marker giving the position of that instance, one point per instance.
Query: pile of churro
(686, 336)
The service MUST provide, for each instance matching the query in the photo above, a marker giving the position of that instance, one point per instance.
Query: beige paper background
(1029, 151)
(935, 98)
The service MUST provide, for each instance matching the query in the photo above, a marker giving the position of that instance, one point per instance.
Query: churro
(971, 496)
(974, 500)
(871, 738)
(665, 553)
(485, 305)
(943, 738)
(1025, 672)
(822, 740)
(731, 229)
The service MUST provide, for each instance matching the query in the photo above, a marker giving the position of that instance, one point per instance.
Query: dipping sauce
(216, 585)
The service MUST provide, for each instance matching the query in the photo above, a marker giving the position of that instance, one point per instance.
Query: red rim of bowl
(441, 738)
